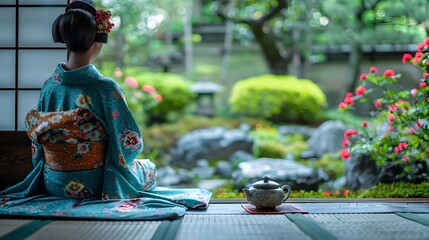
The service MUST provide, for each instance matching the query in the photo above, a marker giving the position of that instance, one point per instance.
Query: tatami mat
(232, 222)
(8, 225)
(94, 230)
(249, 227)
(371, 226)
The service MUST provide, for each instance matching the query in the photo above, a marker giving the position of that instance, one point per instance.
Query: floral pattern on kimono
(122, 176)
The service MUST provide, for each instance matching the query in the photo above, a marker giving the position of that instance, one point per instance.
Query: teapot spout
(247, 193)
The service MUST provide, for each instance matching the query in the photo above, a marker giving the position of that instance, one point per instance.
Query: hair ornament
(104, 26)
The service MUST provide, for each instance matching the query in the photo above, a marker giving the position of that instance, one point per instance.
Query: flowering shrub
(140, 98)
(397, 134)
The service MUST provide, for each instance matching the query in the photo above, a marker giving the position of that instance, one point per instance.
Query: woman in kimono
(84, 138)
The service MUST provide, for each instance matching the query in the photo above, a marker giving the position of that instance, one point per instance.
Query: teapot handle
(289, 191)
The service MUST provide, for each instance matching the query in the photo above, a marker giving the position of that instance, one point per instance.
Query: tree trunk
(277, 63)
(187, 31)
(355, 59)
(227, 46)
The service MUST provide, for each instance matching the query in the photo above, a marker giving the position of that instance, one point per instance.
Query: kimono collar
(83, 75)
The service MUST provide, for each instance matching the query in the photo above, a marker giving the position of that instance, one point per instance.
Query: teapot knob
(266, 179)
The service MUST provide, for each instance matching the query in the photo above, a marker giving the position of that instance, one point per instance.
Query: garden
(336, 106)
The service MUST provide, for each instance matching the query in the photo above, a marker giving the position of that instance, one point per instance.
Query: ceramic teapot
(267, 194)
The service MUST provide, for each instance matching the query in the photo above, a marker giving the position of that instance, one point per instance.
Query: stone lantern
(206, 91)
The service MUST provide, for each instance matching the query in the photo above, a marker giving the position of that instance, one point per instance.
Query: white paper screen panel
(7, 109)
(7, 69)
(36, 66)
(35, 26)
(40, 2)
(7, 2)
(7, 26)
(27, 101)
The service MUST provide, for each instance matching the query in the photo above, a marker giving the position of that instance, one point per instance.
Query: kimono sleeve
(125, 176)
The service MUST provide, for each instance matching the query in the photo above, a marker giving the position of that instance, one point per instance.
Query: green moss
(397, 190)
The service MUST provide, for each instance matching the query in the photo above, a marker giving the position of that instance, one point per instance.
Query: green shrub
(278, 98)
(175, 93)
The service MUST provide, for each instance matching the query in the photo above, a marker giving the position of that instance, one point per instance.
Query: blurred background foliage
(242, 45)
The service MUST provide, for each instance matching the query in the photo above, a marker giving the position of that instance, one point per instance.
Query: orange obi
(72, 140)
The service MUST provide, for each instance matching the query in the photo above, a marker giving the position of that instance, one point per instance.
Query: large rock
(282, 171)
(210, 143)
(362, 172)
(327, 138)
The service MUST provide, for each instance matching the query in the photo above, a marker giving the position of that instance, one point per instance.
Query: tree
(277, 59)
(371, 22)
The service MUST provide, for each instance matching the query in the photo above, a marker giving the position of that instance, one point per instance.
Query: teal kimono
(78, 112)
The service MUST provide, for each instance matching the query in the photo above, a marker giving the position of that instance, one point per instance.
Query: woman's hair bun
(56, 35)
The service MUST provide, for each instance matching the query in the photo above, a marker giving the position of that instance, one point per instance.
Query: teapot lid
(266, 184)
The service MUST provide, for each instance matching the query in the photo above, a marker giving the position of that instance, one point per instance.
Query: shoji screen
(27, 56)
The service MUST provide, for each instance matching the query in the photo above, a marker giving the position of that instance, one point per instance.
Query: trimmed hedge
(278, 98)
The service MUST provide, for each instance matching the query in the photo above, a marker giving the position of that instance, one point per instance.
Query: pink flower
(118, 72)
(405, 159)
(396, 150)
(360, 90)
(406, 57)
(342, 105)
(422, 84)
(132, 82)
(391, 118)
(393, 107)
(389, 73)
(425, 75)
(377, 103)
(349, 100)
(364, 124)
(418, 54)
(115, 114)
(148, 89)
(413, 92)
(363, 76)
(345, 154)
(345, 143)
(350, 132)
(158, 98)
(373, 69)
(420, 46)
(349, 95)
(390, 128)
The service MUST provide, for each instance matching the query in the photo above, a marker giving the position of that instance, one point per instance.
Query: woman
(84, 138)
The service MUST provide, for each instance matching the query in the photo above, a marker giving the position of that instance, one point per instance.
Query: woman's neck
(78, 60)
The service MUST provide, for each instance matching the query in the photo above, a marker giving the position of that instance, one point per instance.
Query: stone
(211, 184)
(282, 171)
(327, 138)
(224, 168)
(296, 129)
(203, 172)
(241, 156)
(209, 143)
(362, 172)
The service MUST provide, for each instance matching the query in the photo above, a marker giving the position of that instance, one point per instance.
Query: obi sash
(72, 140)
